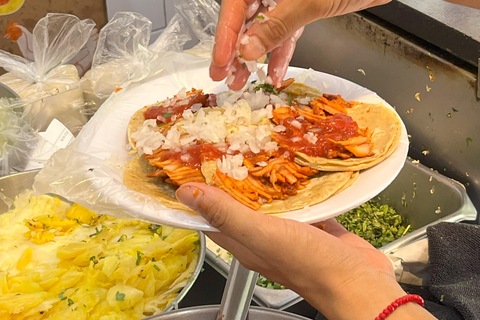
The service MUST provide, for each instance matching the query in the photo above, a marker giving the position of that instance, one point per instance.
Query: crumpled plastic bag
(17, 139)
(23, 148)
(49, 86)
(124, 53)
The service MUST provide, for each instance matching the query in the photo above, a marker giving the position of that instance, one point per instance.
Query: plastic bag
(49, 86)
(17, 139)
(124, 55)
(23, 148)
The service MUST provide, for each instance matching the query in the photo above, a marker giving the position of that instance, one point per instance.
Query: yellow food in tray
(62, 261)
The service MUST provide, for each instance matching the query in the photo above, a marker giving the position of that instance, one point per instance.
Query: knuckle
(275, 31)
(214, 212)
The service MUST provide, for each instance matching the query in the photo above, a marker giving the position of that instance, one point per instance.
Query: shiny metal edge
(268, 298)
(210, 312)
(203, 248)
(466, 211)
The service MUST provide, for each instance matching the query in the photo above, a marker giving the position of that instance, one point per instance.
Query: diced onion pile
(241, 123)
(59, 261)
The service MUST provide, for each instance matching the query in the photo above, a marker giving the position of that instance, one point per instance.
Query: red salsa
(339, 127)
(194, 155)
(172, 109)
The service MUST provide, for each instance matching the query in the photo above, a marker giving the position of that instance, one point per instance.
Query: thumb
(218, 208)
(279, 25)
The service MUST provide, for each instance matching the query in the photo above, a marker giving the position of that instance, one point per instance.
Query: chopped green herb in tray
(269, 284)
(377, 223)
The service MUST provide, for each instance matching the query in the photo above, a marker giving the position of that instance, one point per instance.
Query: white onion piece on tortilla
(233, 166)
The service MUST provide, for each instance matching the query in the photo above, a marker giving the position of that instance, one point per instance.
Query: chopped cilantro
(97, 232)
(377, 223)
(119, 296)
(156, 267)
(154, 227)
(122, 238)
(267, 88)
(60, 295)
(269, 284)
(70, 302)
(260, 16)
(167, 114)
(139, 258)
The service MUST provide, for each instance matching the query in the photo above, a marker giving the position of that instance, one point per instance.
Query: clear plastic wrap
(124, 53)
(49, 86)
(17, 139)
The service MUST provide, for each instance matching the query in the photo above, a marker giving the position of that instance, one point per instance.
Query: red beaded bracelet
(398, 302)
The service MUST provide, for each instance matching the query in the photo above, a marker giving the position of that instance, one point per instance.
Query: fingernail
(189, 196)
(254, 49)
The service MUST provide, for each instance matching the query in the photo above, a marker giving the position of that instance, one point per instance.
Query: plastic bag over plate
(88, 172)
(49, 85)
(124, 53)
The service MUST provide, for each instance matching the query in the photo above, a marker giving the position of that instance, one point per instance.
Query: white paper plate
(105, 138)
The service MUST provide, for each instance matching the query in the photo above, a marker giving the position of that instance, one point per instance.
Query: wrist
(361, 297)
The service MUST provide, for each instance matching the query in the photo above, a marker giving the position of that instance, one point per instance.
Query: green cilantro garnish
(156, 267)
(267, 88)
(139, 258)
(122, 238)
(260, 16)
(154, 227)
(167, 114)
(97, 232)
(70, 302)
(119, 296)
(60, 295)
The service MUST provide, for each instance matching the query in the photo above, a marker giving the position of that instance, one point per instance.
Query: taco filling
(259, 145)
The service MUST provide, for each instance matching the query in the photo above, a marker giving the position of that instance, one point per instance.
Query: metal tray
(421, 195)
(211, 312)
(12, 185)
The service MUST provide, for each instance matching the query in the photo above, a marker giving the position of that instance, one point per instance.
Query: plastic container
(12, 185)
(6, 92)
(421, 195)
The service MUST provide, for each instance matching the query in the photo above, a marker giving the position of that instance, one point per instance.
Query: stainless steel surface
(210, 312)
(268, 298)
(436, 100)
(11, 186)
(238, 292)
(425, 197)
(461, 18)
